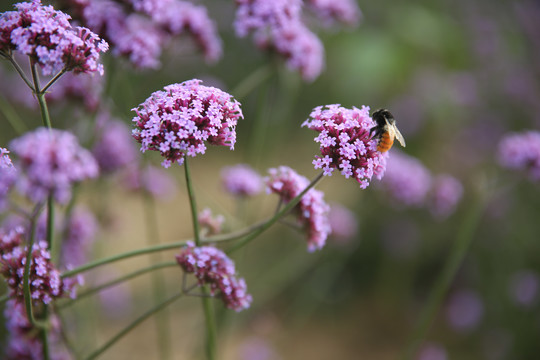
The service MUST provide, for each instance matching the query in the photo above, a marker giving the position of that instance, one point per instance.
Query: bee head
(383, 117)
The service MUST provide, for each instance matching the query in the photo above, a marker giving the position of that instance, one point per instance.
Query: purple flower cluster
(329, 11)
(343, 223)
(49, 162)
(80, 233)
(8, 175)
(346, 144)
(45, 281)
(311, 212)
(211, 224)
(278, 25)
(241, 180)
(48, 38)
(446, 192)
(212, 267)
(521, 151)
(23, 341)
(114, 148)
(178, 120)
(407, 180)
(154, 180)
(140, 29)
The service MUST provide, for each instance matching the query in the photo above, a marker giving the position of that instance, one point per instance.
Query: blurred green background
(457, 75)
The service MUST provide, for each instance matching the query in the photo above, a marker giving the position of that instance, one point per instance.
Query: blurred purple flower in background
(82, 87)
(343, 223)
(80, 233)
(464, 310)
(8, 175)
(311, 212)
(210, 224)
(346, 144)
(241, 180)
(154, 180)
(524, 287)
(178, 120)
(48, 38)
(432, 351)
(50, 162)
(407, 180)
(45, 281)
(114, 148)
(521, 151)
(331, 11)
(446, 192)
(256, 348)
(212, 267)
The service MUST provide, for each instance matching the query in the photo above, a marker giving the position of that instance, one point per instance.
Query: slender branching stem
(53, 80)
(40, 97)
(284, 211)
(21, 72)
(27, 265)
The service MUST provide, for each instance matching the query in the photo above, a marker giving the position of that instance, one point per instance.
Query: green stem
(461, 244)
(21, 72)
(207, 306)
(251, 81)
(40, 97)
(118, 281)
(50, 222)
(53, 80)
(163, 325)
(45, 337)
(132, 325)
(26, 274)
(276, 217)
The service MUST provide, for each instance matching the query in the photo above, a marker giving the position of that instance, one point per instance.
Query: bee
(385, 130)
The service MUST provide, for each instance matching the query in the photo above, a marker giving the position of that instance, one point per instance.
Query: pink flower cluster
(140, 29)
(45, 281)
(277, 25)
(330, 11)
(212, 267)
(181, 118)
(48, 38)
(311, 212)
(521, 151)
(346, 144)
(211, 224)
(49, 162)
(241, 180)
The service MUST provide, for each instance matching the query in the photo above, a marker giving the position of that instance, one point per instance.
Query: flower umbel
(50, 162)
(521, 151)
(311, 212)
(345, 143)
(212, 267)
(48, 38)
(181, 118)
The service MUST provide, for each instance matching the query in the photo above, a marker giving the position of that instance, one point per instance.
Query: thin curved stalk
(21, 72)
(53, 80)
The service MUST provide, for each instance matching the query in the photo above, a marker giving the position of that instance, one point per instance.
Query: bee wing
(399, 136)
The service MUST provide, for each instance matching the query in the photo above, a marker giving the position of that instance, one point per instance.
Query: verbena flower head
(23, 341)
(211, 224)
(330, 11)
(407, 180)
(277, 25)
(213, 268)
(241, 180)
(50, 162)
(8, 175)
(114, 148)
(446, 192)
(45, 281)
(521, 151)
(48, 38)
(178, 120)
(346, 144)
(311, 212)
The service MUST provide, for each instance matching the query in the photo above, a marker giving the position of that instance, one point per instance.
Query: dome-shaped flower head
(213, 268)
(48, 38)
(346, 144)
(8, 175)
(407, 180)
(445, 194)
(241, 180)
(45, 281)
(311, 212)
(50, 162)
(521, 151)
(277, 25)
(181, 118)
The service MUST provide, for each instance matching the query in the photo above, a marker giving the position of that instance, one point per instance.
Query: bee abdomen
(385, 142)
